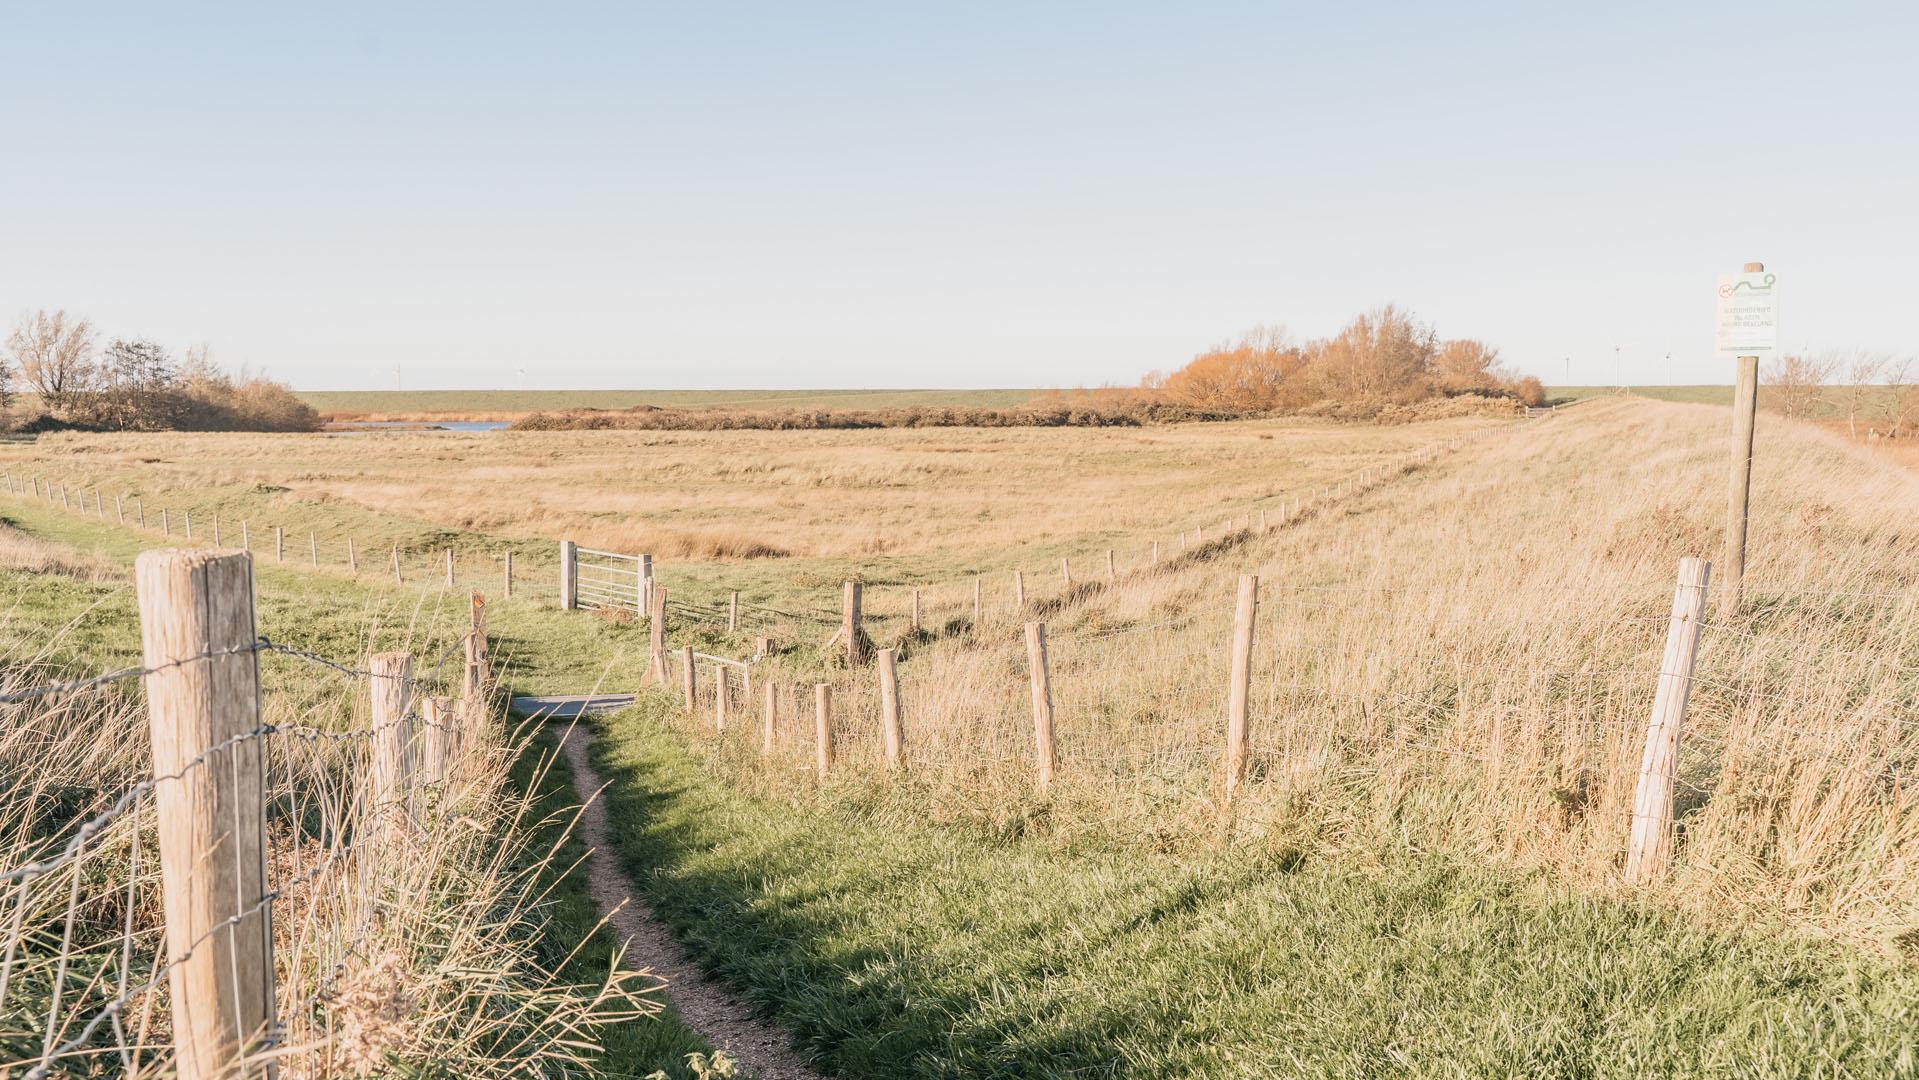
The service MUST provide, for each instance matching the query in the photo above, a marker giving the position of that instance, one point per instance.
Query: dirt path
(760, 1047)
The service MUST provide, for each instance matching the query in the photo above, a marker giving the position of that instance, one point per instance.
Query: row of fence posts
(1649, 844)
(44, 488)
(202, 683)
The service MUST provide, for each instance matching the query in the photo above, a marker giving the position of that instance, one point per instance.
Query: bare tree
(1797, 379)
(1862, 370)
(54, 352)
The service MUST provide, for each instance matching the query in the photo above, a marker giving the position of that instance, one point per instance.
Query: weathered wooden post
(391, 770)
(1651, 843)
(979, 598)
(1065, 573)
(203, 700)
(1112, 568)
(279, 544)
(646, 582)
(1239, 690)
(656, 638)
(689, 678)
(850, 625)
(397, 579)
(763, 645)
(1019, 591)
(352, 558)
(768, 715)
(166, 525)
(449, 568)
(478, 668)
(140, 507)
(506, 573)
(569, 575)
(1155, 557)
(246, 537)
(892, 734)
(1745, 409)
(119, 510)
(439, 719)
(915, 617)
(216, 530)
(823, 728)
(733, 612)
(720, 688)
(1046, 758)
(186, 515)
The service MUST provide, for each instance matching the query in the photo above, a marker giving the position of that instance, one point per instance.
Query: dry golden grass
(931, 494)
(1465, 658)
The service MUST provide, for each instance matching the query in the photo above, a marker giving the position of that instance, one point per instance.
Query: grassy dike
(84, 626)
(896, 949)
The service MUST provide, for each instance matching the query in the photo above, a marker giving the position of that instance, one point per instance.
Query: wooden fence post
(1239, 690)
(1112, 568)
(767, 717)
(391, 770)
(656, 636)
(689, 677)
(763, 646)
(569, 575)
(1745, 406)
(397, 579)
(1046, 757)
(140, 506)
(449, 568)
(720, 689)
(477, 671)
(916, 610)
(646, 582)
(216, 530)
(1019, 591)
(186, 515)
(850, 625)
(279, 544)
(1065, 573)
(212, 819)
(733, 612)
(119, 510)
(979, 597)
(246, 538)
(506, 574)
(1652, 817)
(823, 728)
(166, 526)
(892, 734)
(438, 717)
(1155, 559)
(352, 559)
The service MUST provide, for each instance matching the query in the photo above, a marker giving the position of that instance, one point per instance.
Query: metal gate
(593, 579)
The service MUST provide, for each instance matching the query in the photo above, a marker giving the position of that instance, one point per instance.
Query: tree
(1862, 369)
(1797, 379)
(1383, 355)
(54, 352)
(1463, 364)
(136, 390)
(1260, 371)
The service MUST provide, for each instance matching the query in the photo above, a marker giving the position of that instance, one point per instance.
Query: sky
(729, 195)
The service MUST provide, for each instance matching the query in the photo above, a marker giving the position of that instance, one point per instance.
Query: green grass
(456, 401)
(896, 949)
(1831, 402)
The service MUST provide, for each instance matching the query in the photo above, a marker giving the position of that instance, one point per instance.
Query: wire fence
(275, 881)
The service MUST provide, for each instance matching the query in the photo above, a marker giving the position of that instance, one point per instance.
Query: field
(506, 404)
(1458, 640)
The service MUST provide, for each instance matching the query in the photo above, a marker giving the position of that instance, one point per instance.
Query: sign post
(1747, 327)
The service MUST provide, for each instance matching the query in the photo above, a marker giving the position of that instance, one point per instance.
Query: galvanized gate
(593, 579)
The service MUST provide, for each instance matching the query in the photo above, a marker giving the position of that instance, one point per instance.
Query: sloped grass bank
(896, 949)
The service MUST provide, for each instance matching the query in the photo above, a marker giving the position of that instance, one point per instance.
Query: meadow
(1457, 643)
(507, 404)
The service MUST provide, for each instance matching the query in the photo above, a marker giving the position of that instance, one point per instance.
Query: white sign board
(1748, 322)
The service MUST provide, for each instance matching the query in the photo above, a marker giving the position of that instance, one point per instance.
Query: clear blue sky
(979, 194)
